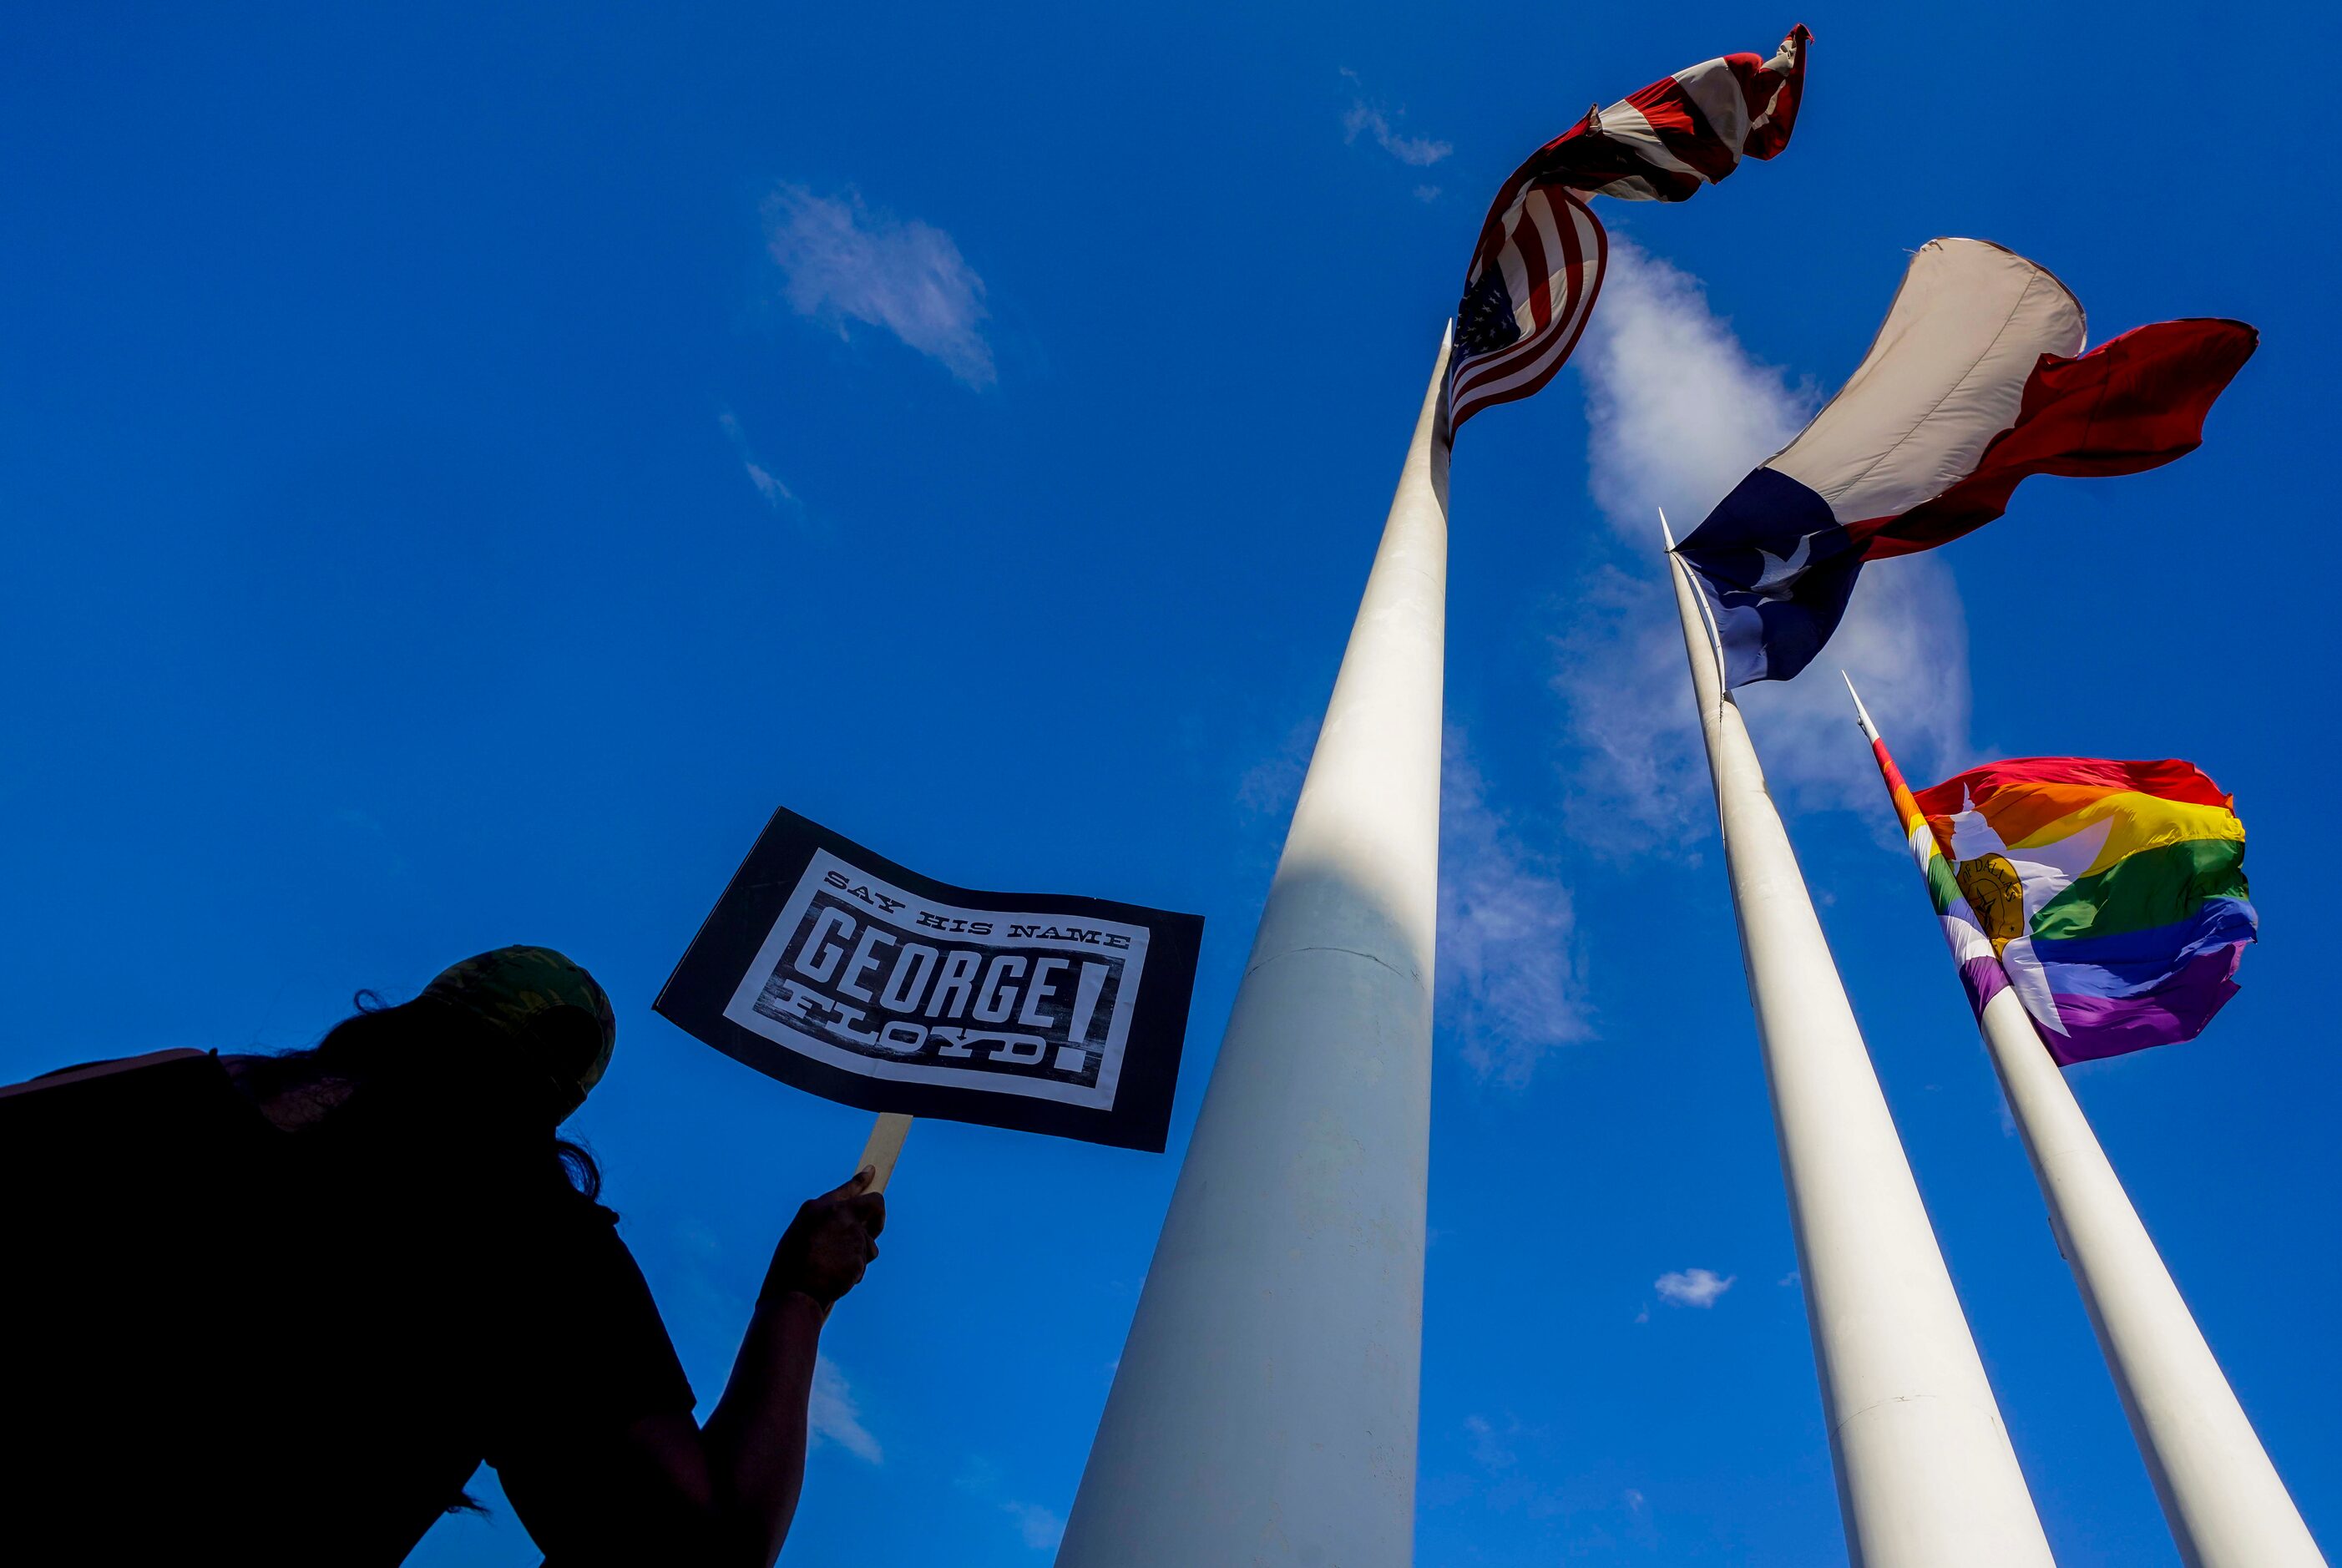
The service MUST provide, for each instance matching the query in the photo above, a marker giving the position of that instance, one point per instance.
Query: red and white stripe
(1662, 144)
(1551, 257)
(1694, 128)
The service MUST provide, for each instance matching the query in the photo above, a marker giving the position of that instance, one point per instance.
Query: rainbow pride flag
(2112, 893)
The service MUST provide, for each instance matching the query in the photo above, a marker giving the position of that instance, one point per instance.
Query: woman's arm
(724, 1493)
(755, 1440)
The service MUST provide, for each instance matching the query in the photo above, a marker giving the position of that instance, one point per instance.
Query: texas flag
(1975, 380)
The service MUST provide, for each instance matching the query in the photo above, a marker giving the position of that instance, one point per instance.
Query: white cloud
(1415, 152)
(1680, 411)
(1040, 1527)
(1508, 966)
(832, 1417)
(840, 262)
(1692, 1287)
(1427, 193)
(775, 494)
(1490, 1448)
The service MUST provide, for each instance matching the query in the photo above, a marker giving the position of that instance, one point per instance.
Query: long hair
(383, 1040)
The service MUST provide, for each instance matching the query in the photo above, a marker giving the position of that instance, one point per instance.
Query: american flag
(1538, 266)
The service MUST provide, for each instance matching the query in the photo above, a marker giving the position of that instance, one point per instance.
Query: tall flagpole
(1925, 1475)
(2226, 1507)
(1263, 1412)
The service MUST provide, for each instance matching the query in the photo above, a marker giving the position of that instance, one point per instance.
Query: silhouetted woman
(278, 1308)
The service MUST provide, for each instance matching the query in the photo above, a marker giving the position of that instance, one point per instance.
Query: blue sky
(462, 470)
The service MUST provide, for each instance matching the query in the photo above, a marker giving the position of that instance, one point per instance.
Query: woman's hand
(823, 1252)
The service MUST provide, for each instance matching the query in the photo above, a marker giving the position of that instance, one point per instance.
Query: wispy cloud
(365, 821)
(1415, 152)
(1040, 1528)
(1427, 193)
(775, 494)
(1692, 1287)
(1508, 964)
(834, 1418)
(1267, 789)
(1679, 410)
(841, 261)
(1904, 641)
(1509, 968)
(1491, 1446)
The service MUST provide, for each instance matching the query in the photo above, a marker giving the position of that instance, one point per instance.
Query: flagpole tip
(1667, 533)
(1861, 713)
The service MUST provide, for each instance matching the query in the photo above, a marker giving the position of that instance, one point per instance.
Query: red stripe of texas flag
(2133, 403)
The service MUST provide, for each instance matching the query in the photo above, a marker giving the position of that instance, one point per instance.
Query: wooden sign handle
(886, 1144)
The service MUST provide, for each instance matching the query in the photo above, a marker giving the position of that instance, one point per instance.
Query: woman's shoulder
(114, 1071)
(180, 1096)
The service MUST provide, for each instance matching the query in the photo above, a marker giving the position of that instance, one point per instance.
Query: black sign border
(695, 995)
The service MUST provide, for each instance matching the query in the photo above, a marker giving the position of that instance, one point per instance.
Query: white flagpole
(1263, 1412)
(1925, 1475)
(2226, 1507)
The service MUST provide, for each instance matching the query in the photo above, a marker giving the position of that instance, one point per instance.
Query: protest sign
(835, 970)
